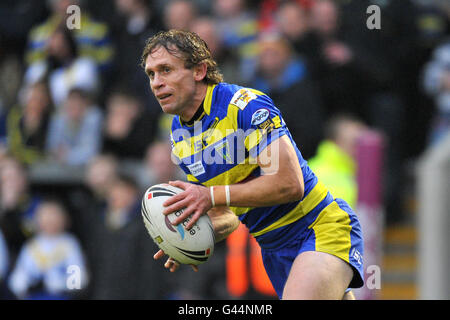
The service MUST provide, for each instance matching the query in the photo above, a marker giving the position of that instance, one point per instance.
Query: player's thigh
(317, 275)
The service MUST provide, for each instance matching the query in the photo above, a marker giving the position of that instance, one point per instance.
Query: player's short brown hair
(187, 46)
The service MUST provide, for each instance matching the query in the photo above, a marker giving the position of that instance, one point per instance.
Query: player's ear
(200, 71)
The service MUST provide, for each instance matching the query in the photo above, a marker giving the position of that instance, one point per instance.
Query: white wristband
(211, 190)
(227, 194)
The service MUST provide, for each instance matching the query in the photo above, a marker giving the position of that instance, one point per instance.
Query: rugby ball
(194, 246)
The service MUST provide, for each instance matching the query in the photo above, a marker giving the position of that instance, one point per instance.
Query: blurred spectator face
(75, 107)
(13, 177)
(158, 160)
(206, 29)
(179, 14)
(228, 8)
(274, 55)
(51, 219)
(100, 174)
(58, 46)
(324, 17)
(122, 111)
(121, 196)
(292, 20)
(348, 134)
(37, 100)
(127, 7)
(59, 7)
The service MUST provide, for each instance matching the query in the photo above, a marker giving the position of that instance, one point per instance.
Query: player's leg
(323, 268)
(317, 275)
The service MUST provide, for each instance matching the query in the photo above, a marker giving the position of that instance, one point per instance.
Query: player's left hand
(195, 200)
(171, 263)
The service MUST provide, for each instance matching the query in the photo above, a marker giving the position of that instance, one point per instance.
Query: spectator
(10, 79)
(334, 162)
(407, 26)
(159, 166)
(267, 8)
(122, 251)
(92, 38)
(129, 129)
(348, 65)
(136, 22)
(41, 271)
(16, 19)
(437, 84)
(206, 28)
(17, 205)
(238, 28)
(100, 174)
(63, 67)
(179, 14)
(284, 77)
(293, 22)
(26, 126)
(74, 135)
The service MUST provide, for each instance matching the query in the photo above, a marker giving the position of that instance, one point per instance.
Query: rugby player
(239, 157)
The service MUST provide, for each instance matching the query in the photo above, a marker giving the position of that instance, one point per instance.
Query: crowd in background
(78, 100)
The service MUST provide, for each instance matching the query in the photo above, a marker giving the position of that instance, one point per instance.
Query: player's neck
(197, 102)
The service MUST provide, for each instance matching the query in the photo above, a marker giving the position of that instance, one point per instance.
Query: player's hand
(170, 264)
(195, 200)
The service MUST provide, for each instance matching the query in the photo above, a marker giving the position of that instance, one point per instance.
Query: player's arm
(281, 182)
(224, 222)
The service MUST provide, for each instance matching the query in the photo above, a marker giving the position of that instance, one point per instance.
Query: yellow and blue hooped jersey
(221, 147)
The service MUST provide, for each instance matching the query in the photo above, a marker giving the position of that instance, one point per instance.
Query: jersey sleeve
(260, 122)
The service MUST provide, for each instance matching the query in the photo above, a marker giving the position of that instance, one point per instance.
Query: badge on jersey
(259, 116)
(223, 149)
(261, 119)
(242, 98)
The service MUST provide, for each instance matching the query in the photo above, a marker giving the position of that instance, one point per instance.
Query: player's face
(173, 85)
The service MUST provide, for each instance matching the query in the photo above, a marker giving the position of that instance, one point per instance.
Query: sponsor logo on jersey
(196, 168)
(260, 116)
(242, 98)
(267, 125)
(356, 255)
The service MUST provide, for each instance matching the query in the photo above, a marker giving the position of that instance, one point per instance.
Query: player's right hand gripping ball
(194, 246)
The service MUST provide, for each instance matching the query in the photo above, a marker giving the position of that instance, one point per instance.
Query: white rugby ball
(194, 246)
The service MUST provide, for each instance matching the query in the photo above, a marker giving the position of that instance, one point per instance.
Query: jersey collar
(205, 107)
